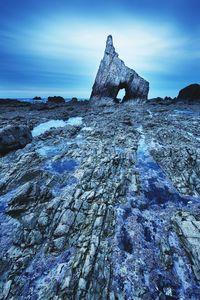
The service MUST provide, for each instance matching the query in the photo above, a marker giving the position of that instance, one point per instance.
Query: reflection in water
(42, 128)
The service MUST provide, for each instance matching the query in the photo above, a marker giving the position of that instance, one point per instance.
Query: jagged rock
(25, 196)
(113, 75)
(14, 137)
(191, 92)
(56, 99)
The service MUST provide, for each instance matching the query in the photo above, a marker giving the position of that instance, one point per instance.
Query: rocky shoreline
(107, 208)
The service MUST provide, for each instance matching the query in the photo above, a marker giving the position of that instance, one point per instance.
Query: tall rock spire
(109, 46)
(113, 75)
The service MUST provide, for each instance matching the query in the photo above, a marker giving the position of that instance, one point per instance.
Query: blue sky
(54, 47)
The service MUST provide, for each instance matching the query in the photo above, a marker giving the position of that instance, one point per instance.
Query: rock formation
(14, 137)
(56, 99)
(113, 76)
(190, 92)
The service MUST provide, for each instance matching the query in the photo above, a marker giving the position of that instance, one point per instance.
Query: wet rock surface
(105, 208)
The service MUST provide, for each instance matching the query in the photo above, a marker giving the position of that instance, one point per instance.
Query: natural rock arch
(113, 75)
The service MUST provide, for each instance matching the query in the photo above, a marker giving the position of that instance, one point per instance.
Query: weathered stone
(14, 137)
(27, 195)
(113, 76)
(59, 244)
(6, 289)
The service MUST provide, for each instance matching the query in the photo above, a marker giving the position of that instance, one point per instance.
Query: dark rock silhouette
(190, 92)
(37, 98)
(113, 75)
(56, 99)
(14, 137)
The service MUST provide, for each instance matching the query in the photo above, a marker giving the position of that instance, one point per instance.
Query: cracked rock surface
(103, 208)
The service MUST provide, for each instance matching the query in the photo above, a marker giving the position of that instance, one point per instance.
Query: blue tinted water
(62, 166)
(49, 151)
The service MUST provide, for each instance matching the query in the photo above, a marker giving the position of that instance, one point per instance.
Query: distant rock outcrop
(56, 99)
(37, 98)
(14, 137)
(113, 76)
(190, 92)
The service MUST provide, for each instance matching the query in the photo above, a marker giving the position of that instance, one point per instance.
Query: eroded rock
(113, 75)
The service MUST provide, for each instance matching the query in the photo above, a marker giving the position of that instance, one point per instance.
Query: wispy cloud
(66, 53)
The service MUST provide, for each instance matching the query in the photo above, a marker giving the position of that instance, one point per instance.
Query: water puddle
(87, 128)
(75, 121)
(43, 127)
(63, 171)
(49, 151)
(62, 166)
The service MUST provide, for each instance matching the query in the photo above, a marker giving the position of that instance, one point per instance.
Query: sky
(54, 47)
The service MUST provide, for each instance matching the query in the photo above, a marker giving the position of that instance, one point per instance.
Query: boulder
(14, 137)
(190, 92)
(37, 98)
(113, 76)
(56, 99)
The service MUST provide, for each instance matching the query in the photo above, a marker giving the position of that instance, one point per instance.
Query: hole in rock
(121, 94)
